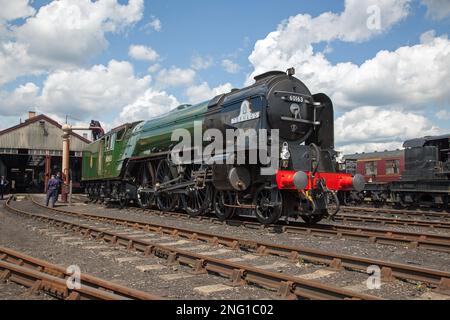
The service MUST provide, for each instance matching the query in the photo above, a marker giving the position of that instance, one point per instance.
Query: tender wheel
(268, 205)
(165, 200)
(221, 200)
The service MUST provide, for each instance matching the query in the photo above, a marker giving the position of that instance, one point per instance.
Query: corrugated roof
(371, 155)
(38, 118)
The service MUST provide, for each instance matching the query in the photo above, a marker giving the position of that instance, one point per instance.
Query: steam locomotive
(136, 162)
(417, 176)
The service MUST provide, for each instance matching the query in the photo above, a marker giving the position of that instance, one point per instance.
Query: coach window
(371, 168)
(392, 167)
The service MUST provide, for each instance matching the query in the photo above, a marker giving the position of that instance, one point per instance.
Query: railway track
(286, 286)
(398, 212)
(341, 217)
(429, 241)
(392, 221)
(42, 276)
(433, 278)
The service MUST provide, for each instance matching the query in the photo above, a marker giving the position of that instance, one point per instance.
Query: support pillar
(65, 161)
(48, 168)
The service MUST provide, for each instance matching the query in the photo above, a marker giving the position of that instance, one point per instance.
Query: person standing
(3, 184)
(52, 189)
(58, 191)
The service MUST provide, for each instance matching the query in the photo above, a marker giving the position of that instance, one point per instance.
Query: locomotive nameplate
(246, 113)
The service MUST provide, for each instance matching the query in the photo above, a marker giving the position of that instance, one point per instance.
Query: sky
(384, 63)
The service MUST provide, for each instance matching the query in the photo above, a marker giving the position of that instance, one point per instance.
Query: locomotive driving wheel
(146, 179)
(197, 199)
(166, 201)
(223, 200)
(268, 205)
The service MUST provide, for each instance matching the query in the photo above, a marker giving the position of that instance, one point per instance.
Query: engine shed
(31, 152)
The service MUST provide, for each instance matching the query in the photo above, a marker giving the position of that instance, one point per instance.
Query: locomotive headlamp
(285, 155)
(295, 110)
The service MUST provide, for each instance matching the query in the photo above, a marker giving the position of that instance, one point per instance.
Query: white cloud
(98, 91)
(15, 61)
(203, 92)
(154, 24)
(437, 9)
(230, 66)
(293, 39)
(201, 63)
(366, 128)
(22, 99)
(154, 68)
(92, 90)
(63, 34)
(150, 104)
(428, 36)
(443, 114)
(16, 9)
(409, 76)
(174, 77)
(140, 52)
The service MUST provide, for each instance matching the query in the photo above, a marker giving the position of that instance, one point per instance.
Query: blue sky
(217, 31)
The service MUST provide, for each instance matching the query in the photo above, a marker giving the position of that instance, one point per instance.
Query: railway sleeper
(444, 286)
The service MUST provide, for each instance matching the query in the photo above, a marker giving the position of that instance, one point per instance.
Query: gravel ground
(44, 242)
(12, 291)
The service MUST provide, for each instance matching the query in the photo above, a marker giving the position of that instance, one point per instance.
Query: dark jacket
(4, 183)
(61, 182)
(53, 184)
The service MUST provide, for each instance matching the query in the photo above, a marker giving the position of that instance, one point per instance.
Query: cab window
(121, 134)
(110, 142)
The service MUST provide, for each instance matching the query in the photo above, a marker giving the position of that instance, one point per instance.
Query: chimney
(31, 114)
